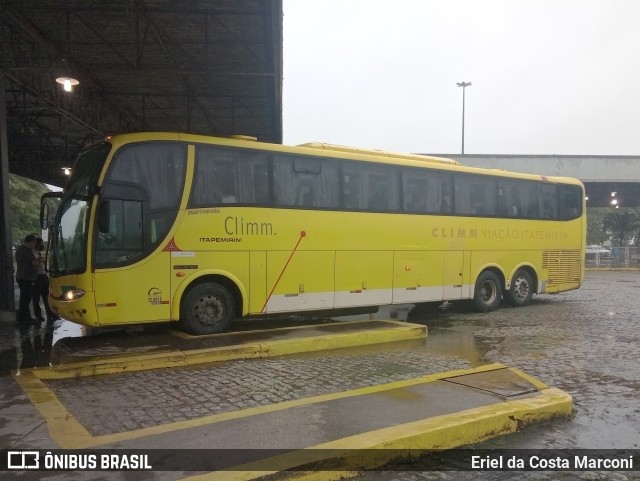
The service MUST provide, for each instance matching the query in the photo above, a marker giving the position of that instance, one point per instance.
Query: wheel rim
(208, 310)
(521, 288)
(488, 292)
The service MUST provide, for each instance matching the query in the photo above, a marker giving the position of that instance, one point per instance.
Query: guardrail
(618, 257)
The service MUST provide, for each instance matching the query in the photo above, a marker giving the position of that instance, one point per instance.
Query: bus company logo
(23, 460)
(154, 296)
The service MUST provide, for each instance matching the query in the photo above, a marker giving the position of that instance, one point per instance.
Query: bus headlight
(73, 294)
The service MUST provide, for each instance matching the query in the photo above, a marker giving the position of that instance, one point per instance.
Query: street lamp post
(464, 85)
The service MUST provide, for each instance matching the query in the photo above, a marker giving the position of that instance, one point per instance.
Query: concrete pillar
(7, 297)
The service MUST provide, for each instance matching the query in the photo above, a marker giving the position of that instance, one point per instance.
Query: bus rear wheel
(488, 292)
(521, 289)
(207, 308)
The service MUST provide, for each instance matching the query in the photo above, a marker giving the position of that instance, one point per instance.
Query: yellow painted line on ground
(377, 448)
(61, 423)
(68, 433)
(142, 362)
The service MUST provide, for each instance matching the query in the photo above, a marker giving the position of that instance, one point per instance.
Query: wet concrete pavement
(585, 342)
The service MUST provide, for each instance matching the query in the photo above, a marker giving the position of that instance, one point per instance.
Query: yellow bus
(159, 227)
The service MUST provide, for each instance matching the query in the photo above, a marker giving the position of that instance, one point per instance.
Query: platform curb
(375, 449)
(398, 331)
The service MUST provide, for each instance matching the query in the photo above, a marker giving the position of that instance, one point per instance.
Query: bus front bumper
(81, 310)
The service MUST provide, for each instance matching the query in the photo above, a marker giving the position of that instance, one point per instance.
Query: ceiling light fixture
(67, 83)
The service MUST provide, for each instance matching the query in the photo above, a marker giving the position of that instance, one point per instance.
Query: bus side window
(123, 241)
(215, 181)
(259, 184)
(509, 201)
(304, 196)
(529, 196)
(379, 191)
(415, 191)
(548, 201)
(370, 187)
(475, 195)
(230, 176)
(307, 182)
(351, 188)
(504, 202)
(426, 191)
(413, 201)
(445, 194)
(149, 171)
(569, 201)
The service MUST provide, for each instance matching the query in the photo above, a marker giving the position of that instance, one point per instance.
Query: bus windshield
(69, 243)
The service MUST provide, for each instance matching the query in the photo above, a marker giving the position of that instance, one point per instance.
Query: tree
(635, 237)
(595, 229)
(623, 224)
(24, 196)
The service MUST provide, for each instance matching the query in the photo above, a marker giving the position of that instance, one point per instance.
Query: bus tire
(488, 292)
(521, 288)
(207, 308)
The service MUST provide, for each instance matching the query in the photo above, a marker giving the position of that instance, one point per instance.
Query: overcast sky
(549, 77)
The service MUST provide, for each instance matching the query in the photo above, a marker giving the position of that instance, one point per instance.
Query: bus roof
(339, 151)
(379, 153)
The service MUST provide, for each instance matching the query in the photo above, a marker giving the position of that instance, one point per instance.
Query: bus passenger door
(131, 285)
(454, 276)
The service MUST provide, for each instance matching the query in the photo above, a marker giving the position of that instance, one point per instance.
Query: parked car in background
(595, 253)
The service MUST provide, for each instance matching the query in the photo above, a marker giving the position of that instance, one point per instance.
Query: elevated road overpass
(601, 174)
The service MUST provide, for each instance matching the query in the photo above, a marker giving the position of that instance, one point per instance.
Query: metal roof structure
(200, 66)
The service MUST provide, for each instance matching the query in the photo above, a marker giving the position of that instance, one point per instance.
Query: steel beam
(7, 296)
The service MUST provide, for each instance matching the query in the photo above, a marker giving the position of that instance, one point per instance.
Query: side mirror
(49, 204)
(103, 217)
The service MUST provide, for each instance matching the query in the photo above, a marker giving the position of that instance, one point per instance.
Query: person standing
(41, 290)
(26, 275)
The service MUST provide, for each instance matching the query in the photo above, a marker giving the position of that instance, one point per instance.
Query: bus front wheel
(207, 308)
(521, 289)
(488, 292)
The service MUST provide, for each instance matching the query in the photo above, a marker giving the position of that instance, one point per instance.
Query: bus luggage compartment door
(454, 280)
